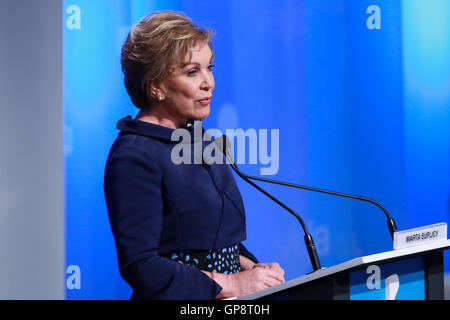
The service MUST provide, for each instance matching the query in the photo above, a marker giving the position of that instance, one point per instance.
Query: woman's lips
(204, 101)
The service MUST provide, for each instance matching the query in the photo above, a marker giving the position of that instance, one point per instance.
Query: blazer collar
(130, 125)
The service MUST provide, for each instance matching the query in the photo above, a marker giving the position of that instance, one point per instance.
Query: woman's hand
(261, 276)
(272, 266)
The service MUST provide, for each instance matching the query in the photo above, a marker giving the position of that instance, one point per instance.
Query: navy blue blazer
(156, 207)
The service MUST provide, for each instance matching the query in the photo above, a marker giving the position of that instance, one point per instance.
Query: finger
(264, 272)
(274, 275)
(276, 270)
(276, 267)
(273, 266)
(270, 281)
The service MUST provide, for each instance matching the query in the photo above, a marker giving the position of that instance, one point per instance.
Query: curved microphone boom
(224, 147)
(390, 222)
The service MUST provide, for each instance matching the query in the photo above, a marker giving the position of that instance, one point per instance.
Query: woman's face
(188, 90)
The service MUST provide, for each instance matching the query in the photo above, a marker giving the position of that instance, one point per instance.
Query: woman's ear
(156, 92)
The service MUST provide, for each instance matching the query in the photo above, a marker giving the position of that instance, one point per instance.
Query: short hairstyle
(154, 45)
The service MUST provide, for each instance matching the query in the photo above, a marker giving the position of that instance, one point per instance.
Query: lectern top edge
(378, 258)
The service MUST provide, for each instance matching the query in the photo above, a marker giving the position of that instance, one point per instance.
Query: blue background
(359, 111)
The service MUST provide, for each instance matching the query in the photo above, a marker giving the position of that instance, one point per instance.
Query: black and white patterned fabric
(223, 260)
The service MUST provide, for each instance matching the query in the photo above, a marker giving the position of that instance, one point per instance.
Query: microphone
(223, 144)
(390, 222)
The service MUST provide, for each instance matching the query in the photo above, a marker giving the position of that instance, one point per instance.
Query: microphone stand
(309, 242)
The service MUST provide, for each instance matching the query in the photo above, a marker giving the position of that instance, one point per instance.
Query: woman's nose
(208, 82)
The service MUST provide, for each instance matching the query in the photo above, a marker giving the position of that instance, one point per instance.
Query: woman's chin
(203, 113)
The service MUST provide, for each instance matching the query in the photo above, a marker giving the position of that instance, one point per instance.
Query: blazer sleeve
(133, 196)
(243, 250)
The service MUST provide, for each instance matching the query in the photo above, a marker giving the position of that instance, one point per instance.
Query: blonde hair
(154, 45)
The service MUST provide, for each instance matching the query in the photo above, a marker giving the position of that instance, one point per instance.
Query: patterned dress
(223, 260)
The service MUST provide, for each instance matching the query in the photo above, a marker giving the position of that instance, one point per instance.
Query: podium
(413, 273)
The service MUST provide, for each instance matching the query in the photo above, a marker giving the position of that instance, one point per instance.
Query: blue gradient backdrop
(359, 111)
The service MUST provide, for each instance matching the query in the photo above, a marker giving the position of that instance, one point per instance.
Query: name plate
(418, 236)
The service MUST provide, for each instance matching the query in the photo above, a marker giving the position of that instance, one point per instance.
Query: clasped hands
(254, 277)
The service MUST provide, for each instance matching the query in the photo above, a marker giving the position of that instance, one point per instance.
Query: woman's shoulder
(131, 154)
(136, 148)
(130, 142)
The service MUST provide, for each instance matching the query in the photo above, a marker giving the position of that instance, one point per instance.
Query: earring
(160, 98)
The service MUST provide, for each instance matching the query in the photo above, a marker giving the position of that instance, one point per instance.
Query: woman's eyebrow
(195, 63)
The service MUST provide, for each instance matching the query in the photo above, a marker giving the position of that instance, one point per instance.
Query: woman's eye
(192, 73)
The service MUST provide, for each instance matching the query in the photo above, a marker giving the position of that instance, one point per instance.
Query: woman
(178, 228)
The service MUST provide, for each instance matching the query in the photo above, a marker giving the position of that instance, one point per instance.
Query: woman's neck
(157, 118)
